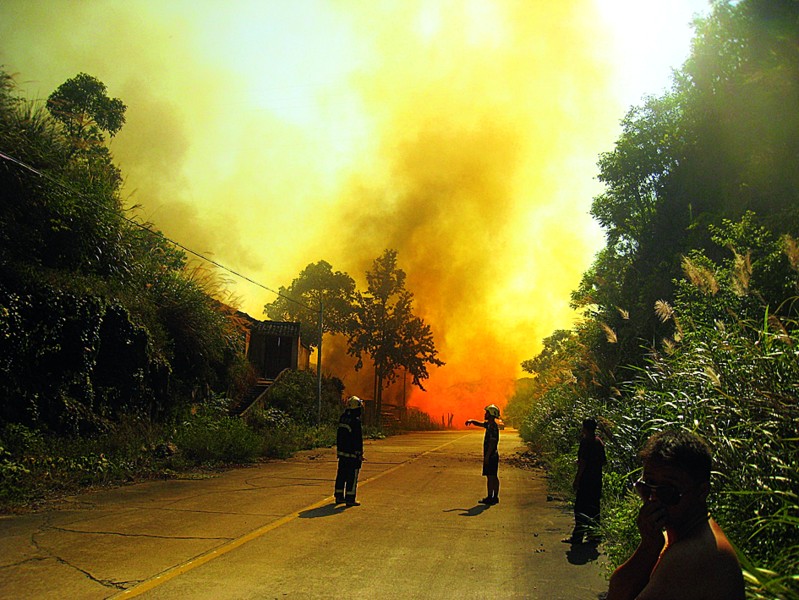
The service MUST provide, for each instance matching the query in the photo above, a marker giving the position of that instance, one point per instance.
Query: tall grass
(736, 384)
(730, 372)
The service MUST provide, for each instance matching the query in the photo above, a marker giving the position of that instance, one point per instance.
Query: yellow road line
(201, 559)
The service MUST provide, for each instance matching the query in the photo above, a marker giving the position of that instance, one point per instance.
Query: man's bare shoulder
(703, 567)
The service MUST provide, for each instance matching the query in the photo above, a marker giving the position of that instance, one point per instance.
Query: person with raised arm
(490, 452)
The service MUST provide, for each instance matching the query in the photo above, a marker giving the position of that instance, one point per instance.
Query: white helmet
(353, 402)
(493, 410)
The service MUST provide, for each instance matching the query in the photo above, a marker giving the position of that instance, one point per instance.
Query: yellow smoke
(271, 135)
(484, 116)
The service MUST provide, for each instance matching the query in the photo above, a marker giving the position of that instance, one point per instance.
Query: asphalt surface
(271, 531)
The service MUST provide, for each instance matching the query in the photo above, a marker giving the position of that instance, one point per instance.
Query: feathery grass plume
(663, 310)
(207, 279)
(713, 376)
(609, 333)
(625, 314)
(701, 277)
(741, 273)
(776, 324)
(665, 313)
(791, 248)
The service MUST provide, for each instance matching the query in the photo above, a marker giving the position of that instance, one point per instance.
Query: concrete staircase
(255, 397)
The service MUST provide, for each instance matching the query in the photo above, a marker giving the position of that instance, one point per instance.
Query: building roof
(278, 328)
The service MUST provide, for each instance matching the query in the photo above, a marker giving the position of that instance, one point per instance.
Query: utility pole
(404, 395)
(319, 364)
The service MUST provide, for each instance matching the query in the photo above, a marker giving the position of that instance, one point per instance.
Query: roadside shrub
(210, 439)
(267, 418)
(281, 436)
(371, 432)
(295, 393)
(521, 402)
(36, 465)
(13, 476)
(20, 440)
(619, 529)
(552, 426)
(731, 381)
(321, 436)
(418, 420)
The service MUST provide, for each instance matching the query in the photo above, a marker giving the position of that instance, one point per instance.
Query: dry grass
(700, 276)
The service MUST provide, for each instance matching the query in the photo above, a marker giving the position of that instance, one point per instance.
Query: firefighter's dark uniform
(349, 446)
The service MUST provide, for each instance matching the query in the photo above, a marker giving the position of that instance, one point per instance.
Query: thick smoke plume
(464, 134)
(481, 120)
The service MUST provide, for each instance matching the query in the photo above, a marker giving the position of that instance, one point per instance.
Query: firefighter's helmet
(353, 402)
(493, 410)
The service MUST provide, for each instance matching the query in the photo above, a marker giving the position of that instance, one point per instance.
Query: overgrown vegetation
(418, 420)
(38, 465)
(120, 358)
(690, 313)
(100, 317)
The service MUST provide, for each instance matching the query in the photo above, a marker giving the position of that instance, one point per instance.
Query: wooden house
(273, 346)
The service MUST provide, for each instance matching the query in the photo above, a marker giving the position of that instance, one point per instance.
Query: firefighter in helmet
(490, 452)
(349, 449)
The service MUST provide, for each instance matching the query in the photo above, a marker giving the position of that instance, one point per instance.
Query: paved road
(270, 531)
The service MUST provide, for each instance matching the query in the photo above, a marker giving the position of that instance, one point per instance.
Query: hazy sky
(463, 133)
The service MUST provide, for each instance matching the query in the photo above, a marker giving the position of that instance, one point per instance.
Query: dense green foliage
(690, 314)
(723, 142)
(38, 465)
(119, 357)
(100, 316)
(295, 394)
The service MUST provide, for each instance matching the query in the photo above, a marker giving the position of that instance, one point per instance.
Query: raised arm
(629, 580)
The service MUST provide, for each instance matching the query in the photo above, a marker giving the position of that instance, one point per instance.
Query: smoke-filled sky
(462, 133)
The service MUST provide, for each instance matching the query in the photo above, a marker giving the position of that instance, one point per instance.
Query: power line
(59, 183)
(69, 188)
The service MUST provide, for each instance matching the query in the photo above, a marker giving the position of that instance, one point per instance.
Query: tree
(316, 284)
(742, 88)
(701, 213)
(385, 328)
(91, 228)
(637, 170)
(562, 360)
(83, 108)
(719, 144)
(82, 105)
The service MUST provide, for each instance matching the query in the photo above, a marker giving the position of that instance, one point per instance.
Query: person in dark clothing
(587, 485)
(349, 449)
(490, 452)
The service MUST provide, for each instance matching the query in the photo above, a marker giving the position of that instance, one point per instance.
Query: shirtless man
(694, 559)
